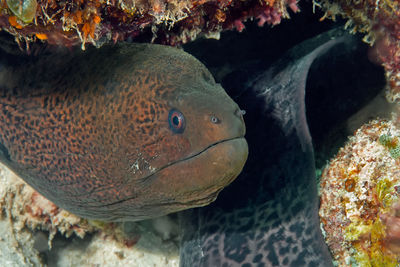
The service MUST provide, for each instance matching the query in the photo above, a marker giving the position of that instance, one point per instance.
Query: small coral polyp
(360, 195)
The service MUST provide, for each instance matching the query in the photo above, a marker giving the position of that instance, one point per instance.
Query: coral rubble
(380, 21)
(172, 22)
(27, 208)
(360, 192)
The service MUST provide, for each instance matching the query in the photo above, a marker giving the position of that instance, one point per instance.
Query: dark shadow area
(60, 244)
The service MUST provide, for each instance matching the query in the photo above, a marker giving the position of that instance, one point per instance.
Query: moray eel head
(197, 142)
(126, 132)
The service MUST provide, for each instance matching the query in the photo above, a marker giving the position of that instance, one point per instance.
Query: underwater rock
(359, 193)
(171, 22)
(34, 232)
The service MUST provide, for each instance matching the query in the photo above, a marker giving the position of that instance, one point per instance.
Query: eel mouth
(196, 154)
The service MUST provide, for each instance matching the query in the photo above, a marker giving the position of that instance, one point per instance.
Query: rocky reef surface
(358, 191)
(170, 22)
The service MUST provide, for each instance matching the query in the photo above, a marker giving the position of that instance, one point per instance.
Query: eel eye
(215, 120)
(176, 121)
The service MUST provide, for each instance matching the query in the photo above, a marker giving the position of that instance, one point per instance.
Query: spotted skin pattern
(269, 216)
(90, 131)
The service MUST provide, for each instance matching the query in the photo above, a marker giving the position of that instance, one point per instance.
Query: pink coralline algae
(272, 15)
(269, 16)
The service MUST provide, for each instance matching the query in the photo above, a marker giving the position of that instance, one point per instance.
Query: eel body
(269, 217)
(125, 132)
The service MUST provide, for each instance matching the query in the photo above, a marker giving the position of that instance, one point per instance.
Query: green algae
(392, 144)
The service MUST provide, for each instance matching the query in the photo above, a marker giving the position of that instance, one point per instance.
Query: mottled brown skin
(89, 130)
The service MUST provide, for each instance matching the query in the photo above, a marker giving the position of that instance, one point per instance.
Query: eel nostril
(240, 112)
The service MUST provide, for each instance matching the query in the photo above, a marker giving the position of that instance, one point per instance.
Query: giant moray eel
(269, 216)
(126, 132)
